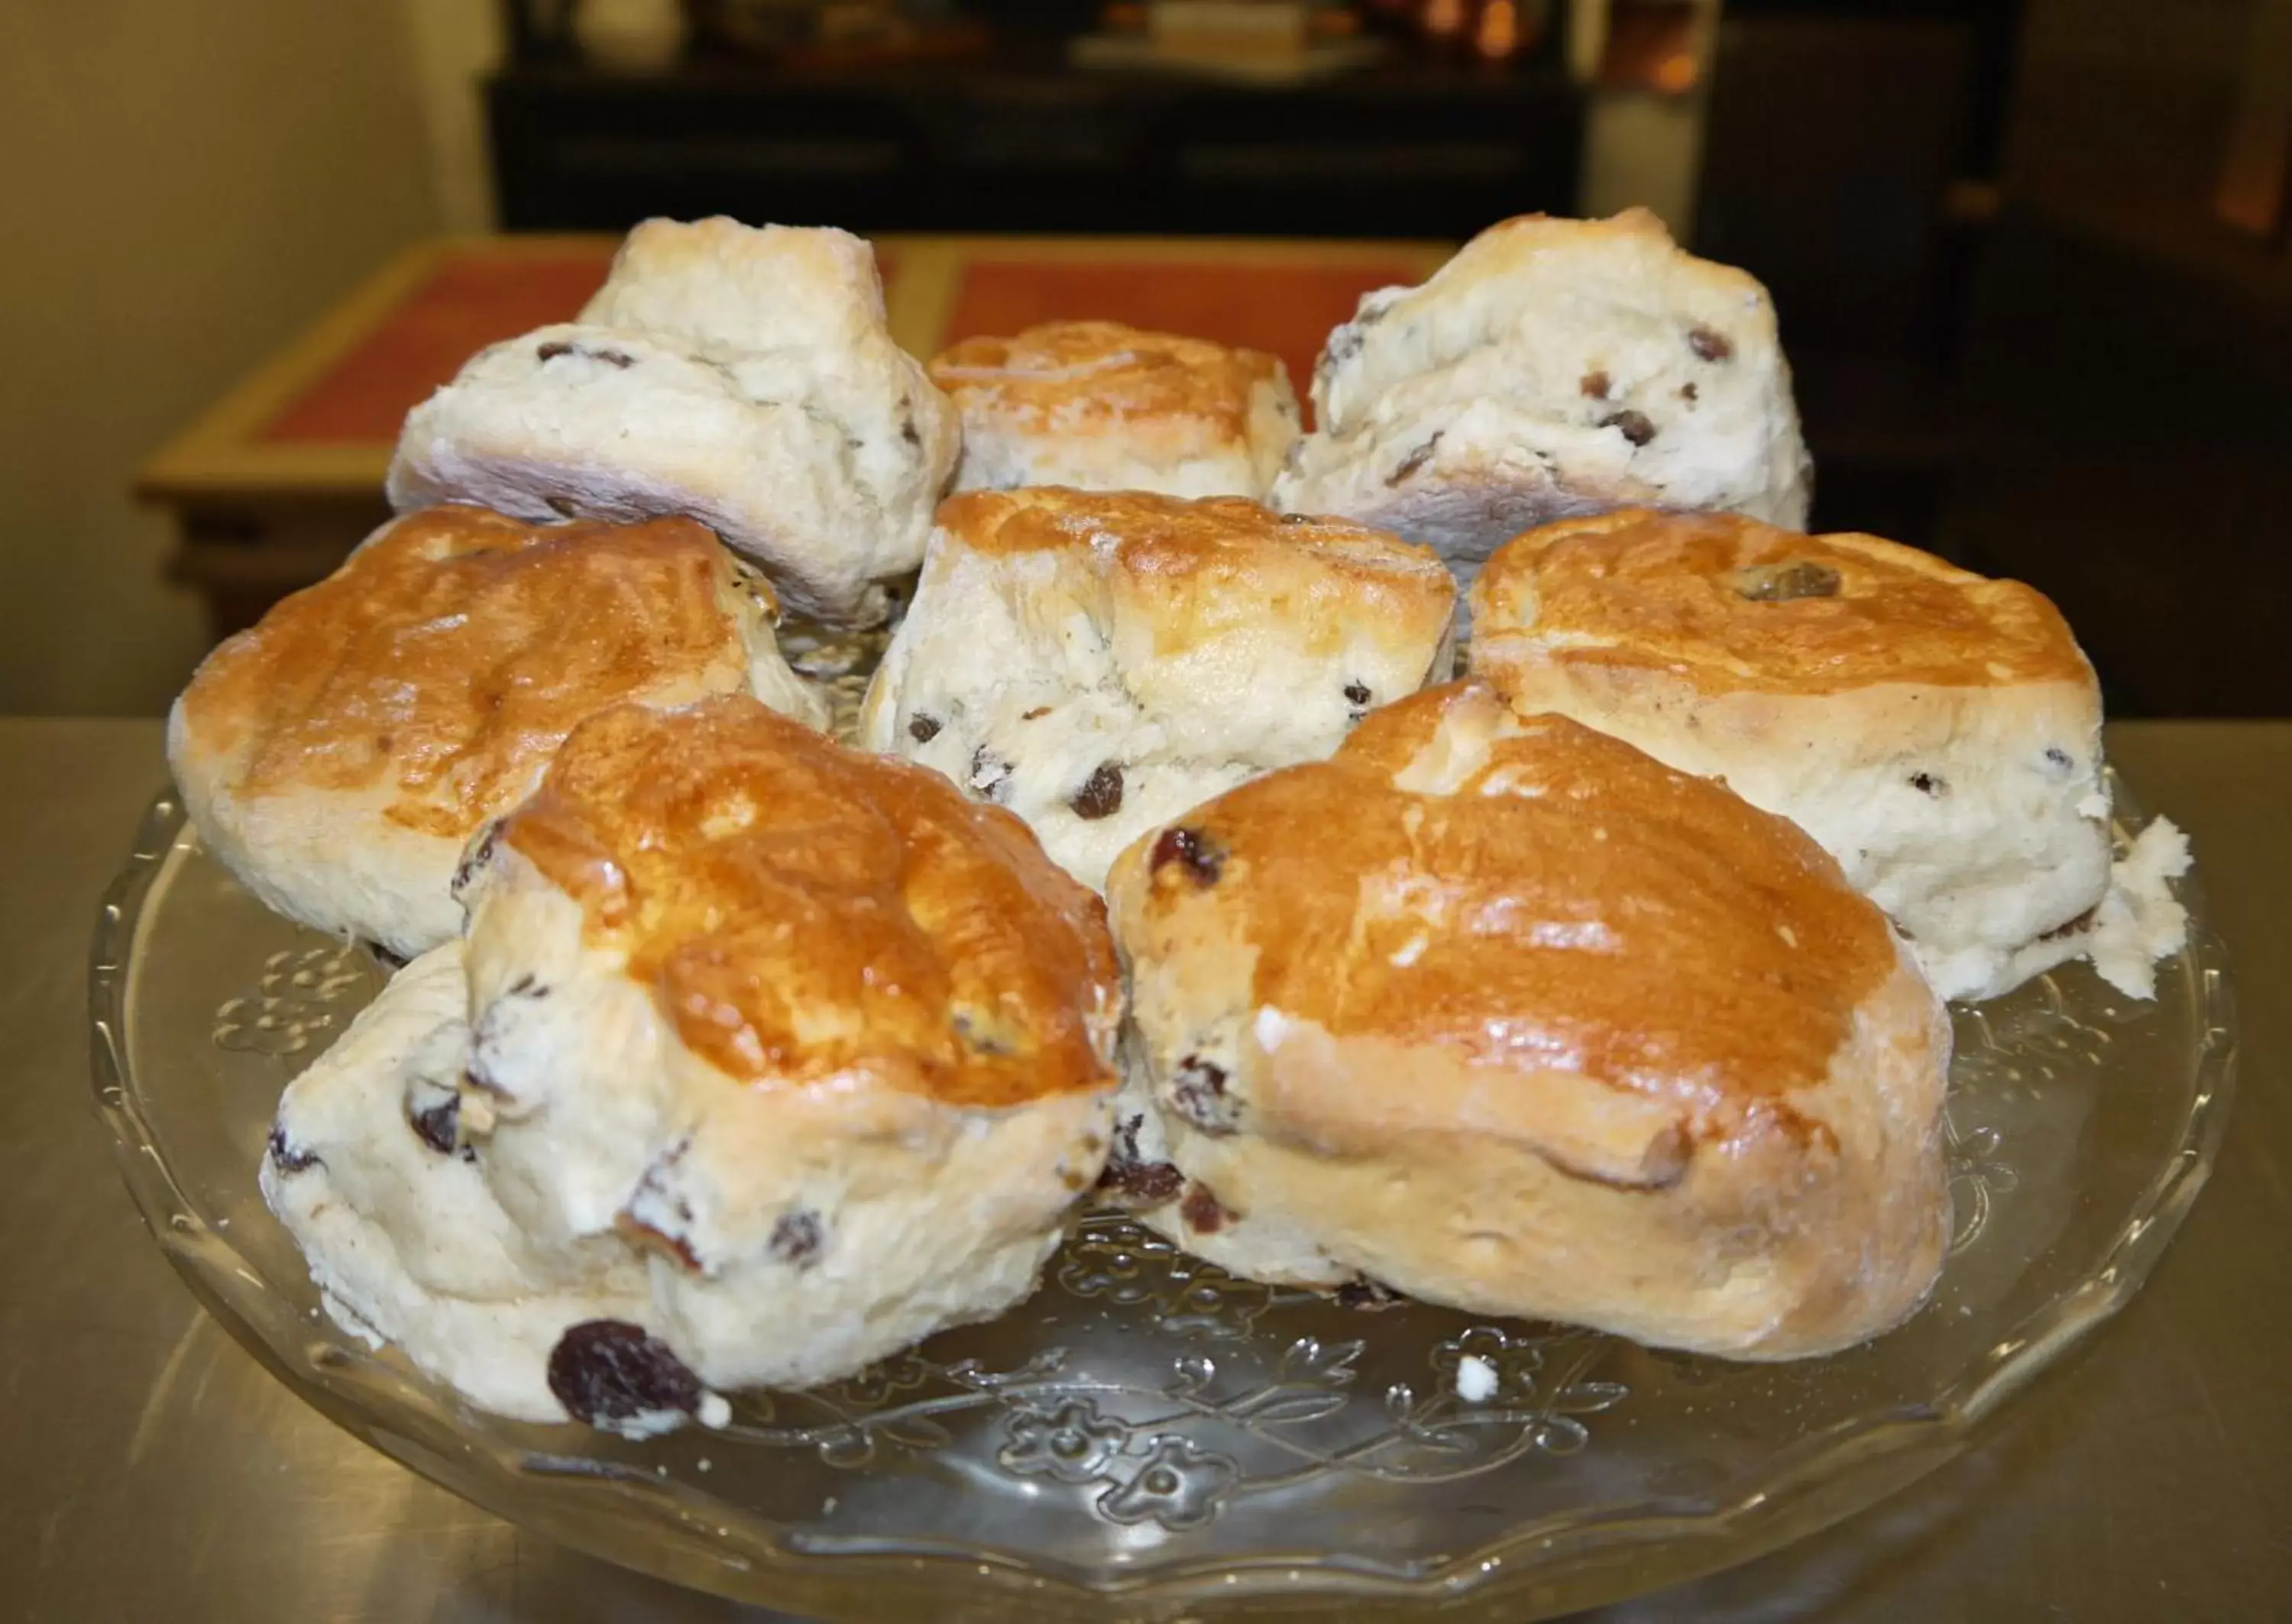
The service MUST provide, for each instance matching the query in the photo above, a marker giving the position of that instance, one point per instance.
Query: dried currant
(1198, 854)
(1100, 795)
(608, 1370)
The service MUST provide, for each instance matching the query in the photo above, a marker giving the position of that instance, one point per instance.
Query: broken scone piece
(1553, 366)
(829, 1043)
(744, 376)
(1505, 1015)
(338, 756)
(1098, 662)
(1937, 731)
(1102, 406)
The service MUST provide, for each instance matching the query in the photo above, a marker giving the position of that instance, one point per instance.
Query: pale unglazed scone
(1101, 406)
(1100, 662)
(832, 1042)
(1937, 731)
(1553, 366)
(339, 755)
(393, 1214)
(743, 375)
(1504, 1014)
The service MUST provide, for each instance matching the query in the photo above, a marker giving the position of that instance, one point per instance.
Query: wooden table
(274, 483)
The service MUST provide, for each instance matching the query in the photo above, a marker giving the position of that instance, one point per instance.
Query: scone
(401, 1231)
(832, 1043)
(1101, 406)
(1505, 1015)
(1553, 366)
(742, 375)
(1938, 732)
(1099, 662)
(338, 756)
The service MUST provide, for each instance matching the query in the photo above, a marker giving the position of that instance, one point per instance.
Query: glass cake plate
(1148, 1437)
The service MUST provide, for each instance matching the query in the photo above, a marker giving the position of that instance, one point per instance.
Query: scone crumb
(1476, 1380)
(714, 1412)
(2140, 921)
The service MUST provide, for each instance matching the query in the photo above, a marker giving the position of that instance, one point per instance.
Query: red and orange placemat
(319, 418)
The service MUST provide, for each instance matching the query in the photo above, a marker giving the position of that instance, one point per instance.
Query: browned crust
(806, 913)
(1641, 589)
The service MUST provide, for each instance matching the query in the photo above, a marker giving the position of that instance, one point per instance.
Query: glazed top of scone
(1215, 564)
(451, 653)
(1526, 894)
(1728, 603)
(1069, 376)
(806, 913)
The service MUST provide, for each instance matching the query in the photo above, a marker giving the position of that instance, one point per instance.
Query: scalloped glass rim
(1540, 1569)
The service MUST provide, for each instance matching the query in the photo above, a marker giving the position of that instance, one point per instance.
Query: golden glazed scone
(831, 1041)
(1102, 406)
(338, 756)
(1938, 732)
(1510, 1016)
(1553, 366)
(1098, 662)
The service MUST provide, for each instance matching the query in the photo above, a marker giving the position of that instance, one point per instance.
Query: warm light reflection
(1675, 73)
(1498, 33)
(1443, 18)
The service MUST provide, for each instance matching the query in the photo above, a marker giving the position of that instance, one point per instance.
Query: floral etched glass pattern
(1150, 1432)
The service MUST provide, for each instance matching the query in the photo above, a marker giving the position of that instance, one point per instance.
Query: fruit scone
(1553, 366)
(1505, 1015)
(777, 1057)
(1937, 731)
(339, 755)
(1102, 406)
(744, 376)
(1098, 662)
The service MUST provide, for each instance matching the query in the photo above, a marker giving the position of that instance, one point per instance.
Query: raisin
(1197, 1095)
(607, 1371)
(389, 961)
(550, 351)
(2083, 922)
(796, 1238)
(908, 430)
(1783, 582)
(1689, 393)
(1035, 715)
(1927, 784)
(1100, 795)
(1595, 384)
(1145, 1183)
(1710, 343)
(991, 774)
(1200, 855)
(1367, 1295)
(441, 1125)
(475, 858)
(562, 506)
(1358, 692)
(1414, 460)
(1634, 426)
(2058, 759)
(288, 1158)
(614, 358)
(1200, 1210)
(923, 728)
(1297, 518)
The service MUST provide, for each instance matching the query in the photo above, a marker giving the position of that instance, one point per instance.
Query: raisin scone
(1553, 366)
(830, 1042)
(339, 755)
(1102, 406)
(1507, 1015)
(403, 1235)
(743, 375)
(1098, 662)
(1937, 731)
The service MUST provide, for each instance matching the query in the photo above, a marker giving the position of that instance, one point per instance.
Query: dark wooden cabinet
(1418, 148)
